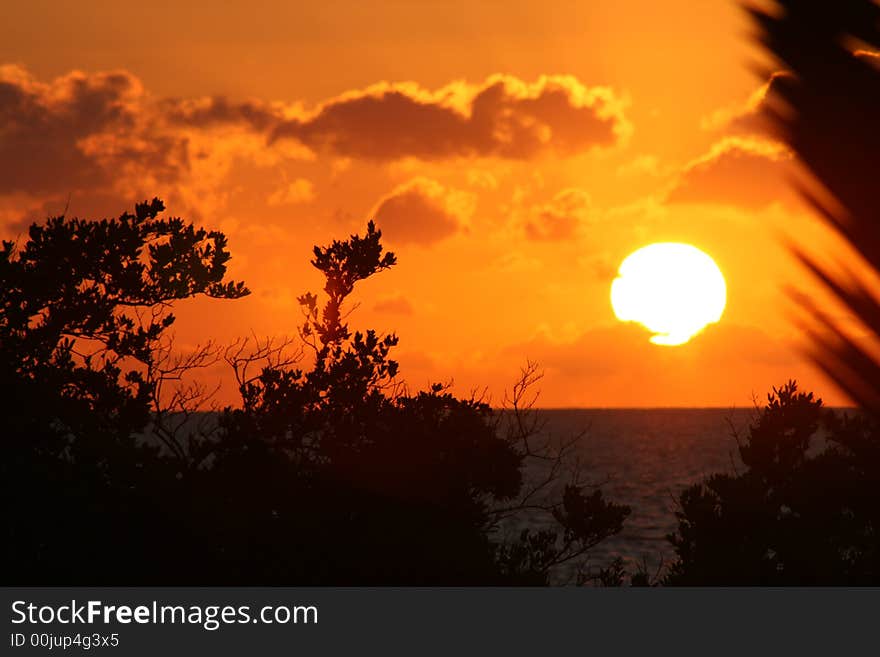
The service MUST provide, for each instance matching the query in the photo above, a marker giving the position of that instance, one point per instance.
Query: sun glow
(673, 290)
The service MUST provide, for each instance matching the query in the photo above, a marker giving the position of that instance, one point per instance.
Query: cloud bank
(422, 211)
(503, 117)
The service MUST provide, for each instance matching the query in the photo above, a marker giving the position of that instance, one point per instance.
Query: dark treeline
(326, 474)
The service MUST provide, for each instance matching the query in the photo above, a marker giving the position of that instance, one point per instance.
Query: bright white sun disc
(674, 290)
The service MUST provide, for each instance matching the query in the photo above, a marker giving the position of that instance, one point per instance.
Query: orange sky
(512, 153)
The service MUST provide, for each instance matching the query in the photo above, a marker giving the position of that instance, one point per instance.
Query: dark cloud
(98, 131)
(80, 130)
(422, 211)
(559, 218)
(504, 117)
(102, 135)
(744, 172)
(218, 110)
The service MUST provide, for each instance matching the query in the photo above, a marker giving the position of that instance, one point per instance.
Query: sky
(513, 155)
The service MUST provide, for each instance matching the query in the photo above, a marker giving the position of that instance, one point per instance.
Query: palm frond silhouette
(828, 113)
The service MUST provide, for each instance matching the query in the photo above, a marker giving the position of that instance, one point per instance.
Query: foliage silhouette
(85, 310)
(326, 474)
(826, 111)
(804, 511)
(391, 487)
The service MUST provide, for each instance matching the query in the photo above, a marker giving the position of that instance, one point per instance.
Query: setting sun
(674, 290)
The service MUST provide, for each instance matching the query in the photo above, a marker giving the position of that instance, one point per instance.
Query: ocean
(644, 458)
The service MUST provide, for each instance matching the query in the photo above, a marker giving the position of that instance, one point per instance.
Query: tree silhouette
(366, 483)
(329, 472)
(85, 309)
(803, 512)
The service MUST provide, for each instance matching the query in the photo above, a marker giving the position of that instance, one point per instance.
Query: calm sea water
(645, 458)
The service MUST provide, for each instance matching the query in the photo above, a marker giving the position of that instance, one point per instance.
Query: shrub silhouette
(804, 512)
(326, 474)
(391, 487)
(84, 312)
